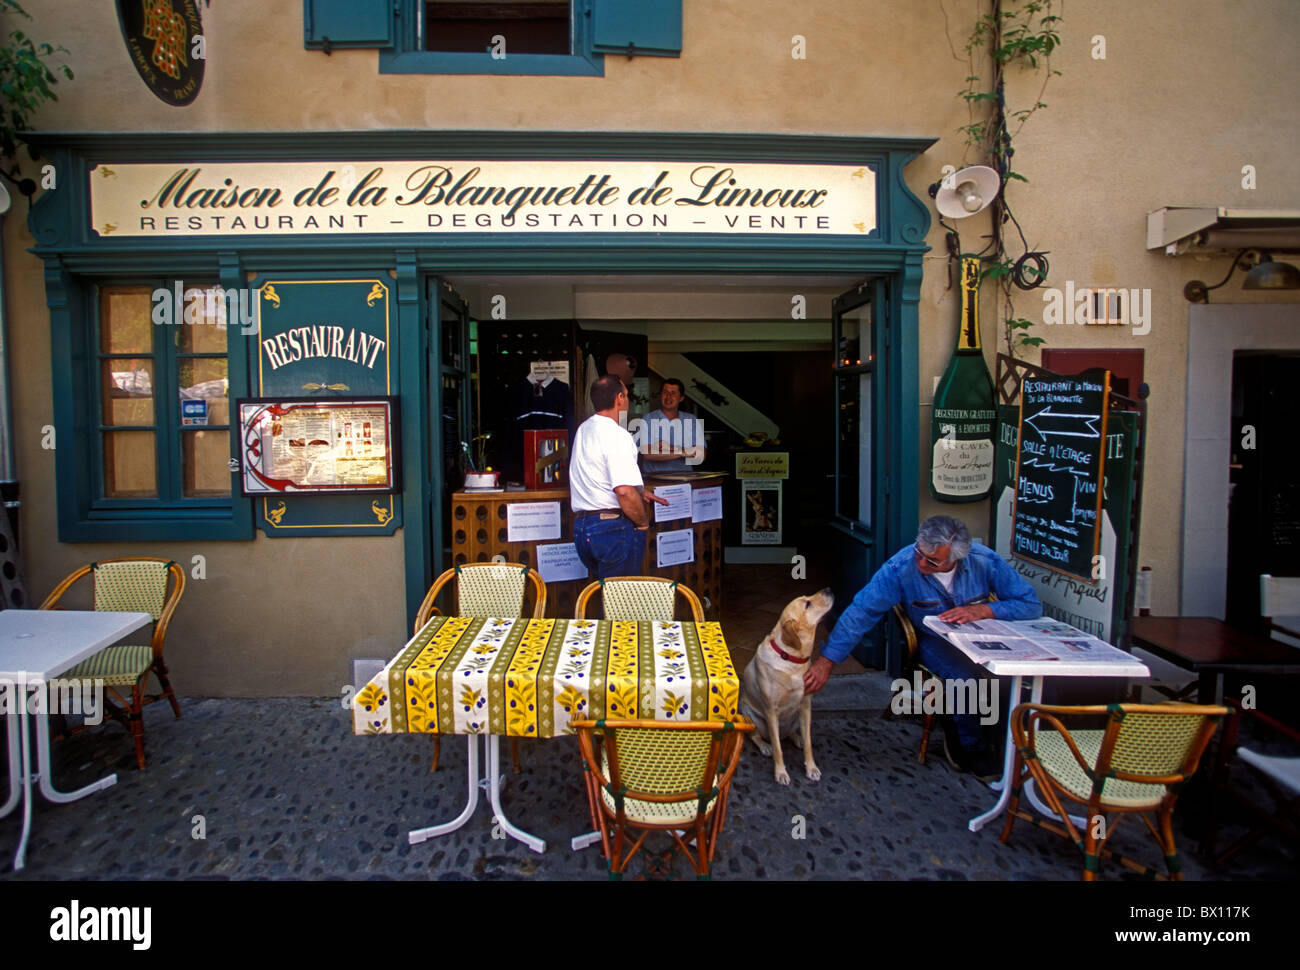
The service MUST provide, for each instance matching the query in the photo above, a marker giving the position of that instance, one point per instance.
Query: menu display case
(320, 445)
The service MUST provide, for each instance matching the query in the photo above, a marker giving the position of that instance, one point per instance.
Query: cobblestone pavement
(286, 791)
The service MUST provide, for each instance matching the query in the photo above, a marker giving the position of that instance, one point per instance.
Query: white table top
(1061, 668)
(44, 643)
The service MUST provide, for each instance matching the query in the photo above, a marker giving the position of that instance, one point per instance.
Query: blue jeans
(948, 663)
(611, 547)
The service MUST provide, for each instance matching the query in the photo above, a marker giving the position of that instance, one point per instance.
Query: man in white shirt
(610, 517)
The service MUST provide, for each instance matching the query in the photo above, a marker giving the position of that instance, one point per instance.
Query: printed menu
(326, 445)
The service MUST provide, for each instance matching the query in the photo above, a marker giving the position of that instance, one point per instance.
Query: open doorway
(757, 358)
(1264, 495)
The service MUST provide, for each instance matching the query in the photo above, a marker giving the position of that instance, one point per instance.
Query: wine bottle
(964, 416)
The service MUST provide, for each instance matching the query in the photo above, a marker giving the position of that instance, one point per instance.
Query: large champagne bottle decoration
(964, 416)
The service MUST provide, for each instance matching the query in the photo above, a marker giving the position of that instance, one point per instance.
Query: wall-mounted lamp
(1264, 275)
(966, 192)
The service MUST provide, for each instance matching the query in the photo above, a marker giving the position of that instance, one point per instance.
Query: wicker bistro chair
(669, 776)
(484, 589)
(929, 682)
(639, 598)
(133, 585)
(1137, 764)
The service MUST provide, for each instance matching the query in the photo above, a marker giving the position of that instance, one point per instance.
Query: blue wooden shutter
(646, 27)
(347, 23)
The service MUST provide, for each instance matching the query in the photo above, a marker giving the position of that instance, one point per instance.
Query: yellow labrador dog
(771, 691)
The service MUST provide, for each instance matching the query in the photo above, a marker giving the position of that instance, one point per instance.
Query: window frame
(410, 57)
(85, 512)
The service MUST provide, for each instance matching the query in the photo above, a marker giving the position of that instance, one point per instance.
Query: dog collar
(785, 656)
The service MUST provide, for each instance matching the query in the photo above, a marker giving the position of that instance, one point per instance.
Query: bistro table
(1017, 670)
(1206, 645)
(531, 678)
(35, 646)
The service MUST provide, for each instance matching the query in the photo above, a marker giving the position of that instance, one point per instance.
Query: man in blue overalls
(943, 574)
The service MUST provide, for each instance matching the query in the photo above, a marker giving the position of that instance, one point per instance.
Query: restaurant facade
(329, 213)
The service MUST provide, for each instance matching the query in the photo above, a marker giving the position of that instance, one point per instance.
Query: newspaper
(1044, 639)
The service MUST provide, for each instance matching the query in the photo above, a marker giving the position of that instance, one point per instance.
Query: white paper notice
(675, 548)
(706, 504)
(530, 521)
(679, 503)
(560, 562)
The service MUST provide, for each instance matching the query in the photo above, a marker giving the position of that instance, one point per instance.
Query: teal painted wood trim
(500, 253)
(421, 535)
(461, 62)
(322, 516)
(905, 429)
(647, 27)
(347, 23)
(231, 276)
(146, 146)
(72, 481)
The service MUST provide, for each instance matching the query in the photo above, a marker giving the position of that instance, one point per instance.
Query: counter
(478, 533)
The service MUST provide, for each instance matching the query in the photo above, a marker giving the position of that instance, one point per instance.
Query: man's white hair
(944, 530)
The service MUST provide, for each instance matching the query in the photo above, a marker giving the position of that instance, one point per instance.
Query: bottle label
(962, 468)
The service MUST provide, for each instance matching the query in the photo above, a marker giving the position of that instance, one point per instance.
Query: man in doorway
(674, 438)
(947, 575)
(610, 517)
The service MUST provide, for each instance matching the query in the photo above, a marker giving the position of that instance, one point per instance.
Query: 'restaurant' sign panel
(325, 340)
(283, 198)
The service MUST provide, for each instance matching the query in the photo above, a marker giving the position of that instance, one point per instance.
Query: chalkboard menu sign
(1059, 471)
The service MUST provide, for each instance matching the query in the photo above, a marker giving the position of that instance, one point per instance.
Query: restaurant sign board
(1060, 472)
(262, 199)
(326, 341)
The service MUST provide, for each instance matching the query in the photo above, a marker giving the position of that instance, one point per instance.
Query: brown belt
(600, 512)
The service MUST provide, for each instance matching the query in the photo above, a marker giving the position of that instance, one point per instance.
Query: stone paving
(286, 791)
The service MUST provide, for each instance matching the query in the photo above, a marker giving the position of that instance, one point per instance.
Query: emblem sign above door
(164, 39)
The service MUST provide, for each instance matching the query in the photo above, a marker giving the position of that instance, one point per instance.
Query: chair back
(664, 761)
(486, 589)
(130, 585)
(1159, 743)
(909, 633)
(660, 762)
(640, 598)
(490, 589)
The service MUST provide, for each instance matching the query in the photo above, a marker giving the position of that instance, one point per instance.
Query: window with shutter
(537, 37)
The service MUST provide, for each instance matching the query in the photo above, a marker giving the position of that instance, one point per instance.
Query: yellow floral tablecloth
(531, 678)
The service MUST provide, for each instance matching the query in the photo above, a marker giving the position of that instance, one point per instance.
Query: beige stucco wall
(1189, 92)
